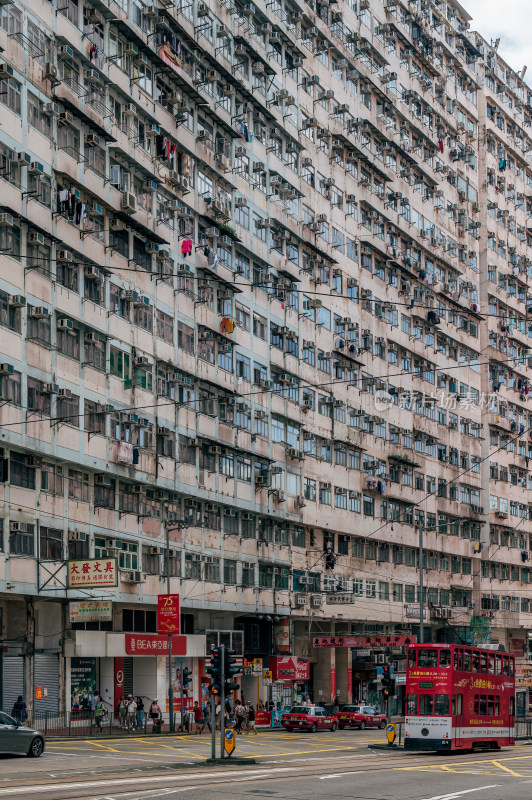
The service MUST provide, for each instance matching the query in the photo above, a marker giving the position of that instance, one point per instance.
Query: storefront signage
(41, 692)
(289, 668)
(363, 641)
(340, 599)
(257, 665)
(333, 684)
(281, 636)
(517, 647)
(523, 676)
(92, 572)
(91, 611)
(412, 611)
(168, 617)
(145, 644)
(82, 682)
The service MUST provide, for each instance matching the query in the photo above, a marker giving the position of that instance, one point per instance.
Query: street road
(288, 767)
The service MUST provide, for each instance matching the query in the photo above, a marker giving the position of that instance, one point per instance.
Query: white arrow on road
(341, 775)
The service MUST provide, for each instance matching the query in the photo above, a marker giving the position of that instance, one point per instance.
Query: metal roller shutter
(46, 674)
(12, 673)
(128, 676)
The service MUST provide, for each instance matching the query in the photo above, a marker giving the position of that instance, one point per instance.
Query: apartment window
(10, 388)
(10, 316)
(10, 94)
(248, 575)
(164, 326)
(78, 485)
(22, 542)
(68, 410)
(229, 572)
(51, 543)
(139, 620)
(52, 479)
(94, 418)
(21, 474)
(104, 493)
(39, 329)
(68, 343)
(211, 572)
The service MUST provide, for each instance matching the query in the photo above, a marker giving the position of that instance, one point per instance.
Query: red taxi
(308, 718)
(359, 717)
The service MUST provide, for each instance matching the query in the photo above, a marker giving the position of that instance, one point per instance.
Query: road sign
(229, 741)
(391, 732)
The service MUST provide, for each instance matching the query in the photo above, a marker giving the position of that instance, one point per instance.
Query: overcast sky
(511, 20)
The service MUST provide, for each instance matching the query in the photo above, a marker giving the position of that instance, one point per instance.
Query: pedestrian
(99, 713)
(155, 710)
(122, 712)
(131, 713)
(251, 720)
(140, 713)
(20, 711)
(218, 714)
(206, 719)
(198, 716)
(240, 713)
(260, 706)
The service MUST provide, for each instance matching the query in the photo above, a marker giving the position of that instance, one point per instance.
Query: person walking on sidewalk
(131, 713)
(218, 713)
(251, 721)
(20, 710)
(122, 712)
(206, 719)
(240, 713)
(198, 717)
(99, 713)
(140, 714)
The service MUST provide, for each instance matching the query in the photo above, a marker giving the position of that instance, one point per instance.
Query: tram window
(457, 705)
(467, 660)
(512, 663)
(505, 665)
(498, 664)
(426, 704)
(481, 705)
(512, 706)
(491, 705)
(412, 658)
(476, 661)
(483, 663)
(411, 704)
(458, 660)
(491, 665)
(427, 659)
(441, 705)
(445, 658)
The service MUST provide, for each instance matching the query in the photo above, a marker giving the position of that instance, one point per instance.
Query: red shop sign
(289, 668)
(146, 644)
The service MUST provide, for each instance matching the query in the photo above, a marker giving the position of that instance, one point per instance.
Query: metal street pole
(182, 726)
(421, 557)
(222, 701)
(213, 723)
(170, 689)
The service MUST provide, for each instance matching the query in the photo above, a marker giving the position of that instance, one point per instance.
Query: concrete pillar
(324, 674)
(344, 691)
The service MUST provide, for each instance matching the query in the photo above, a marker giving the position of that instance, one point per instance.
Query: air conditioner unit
(316, 601)
(6, 220)
(301, 600)
(64, 256)
(133, 576)
(65, 324)
(129, 202)
(65, 393)
(35, 238)
(91, 76)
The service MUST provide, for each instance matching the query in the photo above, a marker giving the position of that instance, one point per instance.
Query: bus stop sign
(391, 732)
(229, 741)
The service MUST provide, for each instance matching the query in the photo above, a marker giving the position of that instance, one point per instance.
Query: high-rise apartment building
(264, 324)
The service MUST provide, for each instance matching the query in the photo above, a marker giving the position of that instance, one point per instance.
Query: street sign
(391, 732)
(229, 741)
(267, 673)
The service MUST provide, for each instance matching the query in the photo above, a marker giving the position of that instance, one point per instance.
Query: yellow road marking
(507, 769)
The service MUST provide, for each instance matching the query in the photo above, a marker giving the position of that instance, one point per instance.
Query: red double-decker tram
(459, 697)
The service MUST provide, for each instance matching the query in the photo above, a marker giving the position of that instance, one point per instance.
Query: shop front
(290, 677)
(117, 664)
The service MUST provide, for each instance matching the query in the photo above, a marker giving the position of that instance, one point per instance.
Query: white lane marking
(453, 795)
(320, 758)
(149, 792)
(338, 775)
(125, 781)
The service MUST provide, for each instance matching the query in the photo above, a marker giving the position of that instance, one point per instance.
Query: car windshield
(300, 710)
(353, 709)
(5, 719)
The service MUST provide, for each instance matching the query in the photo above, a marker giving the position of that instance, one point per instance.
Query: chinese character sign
(168, 613)
(91, 611)
(92, 572)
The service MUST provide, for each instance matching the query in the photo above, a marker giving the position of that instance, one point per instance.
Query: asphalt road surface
(287, 767)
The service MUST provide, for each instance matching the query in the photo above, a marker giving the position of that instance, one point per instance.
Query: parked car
(308, 718)
(359, 717)
(16, 738)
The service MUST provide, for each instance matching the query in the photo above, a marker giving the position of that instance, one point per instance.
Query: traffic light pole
(421, 556)
(222, 701)
(170, 688)
(213, 723)
(182, 699)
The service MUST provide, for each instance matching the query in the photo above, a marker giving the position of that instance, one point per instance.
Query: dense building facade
(263, 304)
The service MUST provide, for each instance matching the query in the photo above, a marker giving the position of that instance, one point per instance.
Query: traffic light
(186, 677)
(230, 669)
(215, 670)
(387, 681)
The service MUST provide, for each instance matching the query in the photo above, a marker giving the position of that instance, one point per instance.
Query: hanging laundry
(440, 145)
(502, 164)
(411, 306)
(186, 247)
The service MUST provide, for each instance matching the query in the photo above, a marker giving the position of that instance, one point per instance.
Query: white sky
(511, 20)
